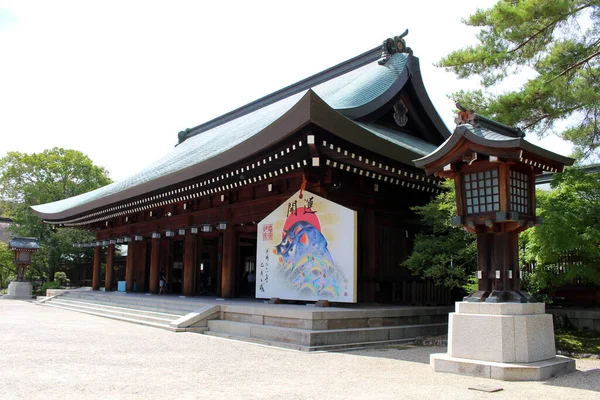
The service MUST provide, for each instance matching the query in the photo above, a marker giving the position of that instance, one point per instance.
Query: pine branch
(537, 121)
(572, 67)
(529, 39)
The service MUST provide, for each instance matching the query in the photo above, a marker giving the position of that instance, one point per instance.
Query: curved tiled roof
(414, 144)
(355, 91)
(27, 243)
(491, 138)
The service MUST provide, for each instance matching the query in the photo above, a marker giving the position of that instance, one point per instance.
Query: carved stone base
(19, 291)
(537, 371)
(508, 341)
(500, 296)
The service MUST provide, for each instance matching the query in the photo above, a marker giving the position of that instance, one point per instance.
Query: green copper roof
(28, 243)
(493, 136)
(349, 91)
(409, 142)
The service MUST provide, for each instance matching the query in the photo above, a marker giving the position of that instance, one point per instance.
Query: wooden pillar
(139, 274)
(198, 278)
(130, 266)
(483, 261)
(513, 246)
(154, 265)
(96, 269)
(189, 264)
(228, 263)
(110, 254)
(371, 269)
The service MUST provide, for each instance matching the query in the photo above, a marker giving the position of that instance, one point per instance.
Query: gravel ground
(51, 353)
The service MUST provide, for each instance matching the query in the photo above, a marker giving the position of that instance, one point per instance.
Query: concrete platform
(536, 371)
(19, 291)
(505, 341)
(300, 327)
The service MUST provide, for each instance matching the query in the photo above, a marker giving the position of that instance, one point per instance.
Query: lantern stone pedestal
(505, 341)
(19, 291)
(498, 332)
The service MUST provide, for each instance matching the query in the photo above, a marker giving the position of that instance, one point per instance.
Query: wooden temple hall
(348, 134)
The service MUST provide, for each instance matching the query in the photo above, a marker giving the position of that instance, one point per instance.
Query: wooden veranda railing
(566, 261)
(420, 294)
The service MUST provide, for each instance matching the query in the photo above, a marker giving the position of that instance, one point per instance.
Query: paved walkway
(48, 353)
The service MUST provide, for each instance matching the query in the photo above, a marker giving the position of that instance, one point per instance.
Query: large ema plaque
(307, 251)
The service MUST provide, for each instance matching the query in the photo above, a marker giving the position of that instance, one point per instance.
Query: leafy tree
(52, 175)
(446, 254)
(558, 42)
(571, 215)
(7, 266)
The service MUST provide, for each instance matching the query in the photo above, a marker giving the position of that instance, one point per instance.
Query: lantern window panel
(519, 193)
(481, 192)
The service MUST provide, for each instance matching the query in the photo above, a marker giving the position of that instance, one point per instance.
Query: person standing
(162, 283)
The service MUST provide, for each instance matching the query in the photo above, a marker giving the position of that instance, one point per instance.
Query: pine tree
(556, 42)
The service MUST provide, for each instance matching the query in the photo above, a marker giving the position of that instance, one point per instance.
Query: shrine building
(348, 134)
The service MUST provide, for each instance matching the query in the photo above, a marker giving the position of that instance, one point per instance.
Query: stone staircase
(321, 329)
(139, 309)
(298, 327)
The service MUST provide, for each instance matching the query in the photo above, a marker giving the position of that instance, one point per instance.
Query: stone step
(103, 311)
(331, 337)
(132, 303)
(149, 304)
(135, 298)
(124, 319)
(299, 347)
(107, 308)
(315, 320)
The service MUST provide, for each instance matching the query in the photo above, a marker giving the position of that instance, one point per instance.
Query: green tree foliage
(52, 175)
(555, 42)
(447, 255)
(7, 266)
(571, 215)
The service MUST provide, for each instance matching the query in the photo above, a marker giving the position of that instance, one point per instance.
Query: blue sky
(118, 79)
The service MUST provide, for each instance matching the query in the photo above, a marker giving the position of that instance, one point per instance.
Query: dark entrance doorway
(246, 266)
(207, 269)
(177, 267)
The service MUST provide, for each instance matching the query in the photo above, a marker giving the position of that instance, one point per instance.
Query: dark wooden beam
(188, 264)
(154, 265)
(96, 269)
(110, 255)
(130, 266)
(228, 263)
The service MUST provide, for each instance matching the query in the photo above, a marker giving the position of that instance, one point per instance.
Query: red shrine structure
(348, 134)
(494, 169)
(23, 249)
(351, 131)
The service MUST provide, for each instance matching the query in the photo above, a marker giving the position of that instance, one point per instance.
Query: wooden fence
(566, 261)
(421, 294)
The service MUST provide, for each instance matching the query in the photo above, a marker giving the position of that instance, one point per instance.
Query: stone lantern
(494, 169)
(23, 249)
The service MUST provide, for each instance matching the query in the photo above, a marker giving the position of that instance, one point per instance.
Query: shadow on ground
(410, 353)
(582, 380)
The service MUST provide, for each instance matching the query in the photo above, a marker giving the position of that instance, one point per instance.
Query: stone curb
(578, 355)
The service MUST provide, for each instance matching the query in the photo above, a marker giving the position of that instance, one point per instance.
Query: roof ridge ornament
(182, 135)
(465, 116)
(394, 45)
